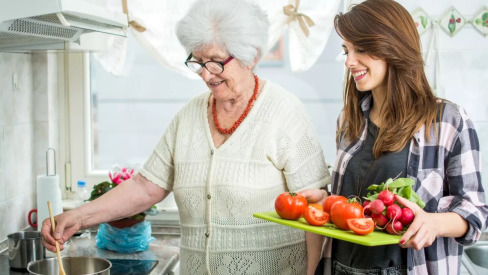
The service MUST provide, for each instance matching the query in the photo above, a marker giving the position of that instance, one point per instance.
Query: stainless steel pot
(71, 265)
(24, 247)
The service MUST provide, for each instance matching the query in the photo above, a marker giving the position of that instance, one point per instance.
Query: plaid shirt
(447, 177)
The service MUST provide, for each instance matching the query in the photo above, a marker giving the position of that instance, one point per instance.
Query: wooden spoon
(60, 262)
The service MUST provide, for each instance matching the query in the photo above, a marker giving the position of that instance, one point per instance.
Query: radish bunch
(381, 206)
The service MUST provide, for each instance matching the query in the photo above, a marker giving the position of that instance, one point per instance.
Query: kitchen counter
(165, 249)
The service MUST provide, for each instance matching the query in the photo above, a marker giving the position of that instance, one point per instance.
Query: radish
(394, 228)
(376, 206)
(366, 210)
(407, 216)
(380, 220)
(387, 197)
(394, 212)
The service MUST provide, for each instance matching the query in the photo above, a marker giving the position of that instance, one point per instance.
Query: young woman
(393, 125)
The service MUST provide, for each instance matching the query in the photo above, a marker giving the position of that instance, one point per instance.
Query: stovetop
(131, 266)
(119, 267)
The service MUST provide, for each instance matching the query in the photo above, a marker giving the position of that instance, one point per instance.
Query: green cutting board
(375, 238)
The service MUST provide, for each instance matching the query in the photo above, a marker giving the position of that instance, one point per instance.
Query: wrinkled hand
(314, 195)
(422, 232)
(66, 225)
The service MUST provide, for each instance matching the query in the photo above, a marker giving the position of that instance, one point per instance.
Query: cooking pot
(24, 247)
(72, 266)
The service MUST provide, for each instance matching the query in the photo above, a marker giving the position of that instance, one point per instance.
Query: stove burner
(131, 266)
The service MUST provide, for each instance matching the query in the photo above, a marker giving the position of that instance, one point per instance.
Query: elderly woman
(226, 155)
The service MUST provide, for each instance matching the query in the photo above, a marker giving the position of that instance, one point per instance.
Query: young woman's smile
(368, 72)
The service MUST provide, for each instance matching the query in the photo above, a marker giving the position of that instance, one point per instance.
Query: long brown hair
(385, 30)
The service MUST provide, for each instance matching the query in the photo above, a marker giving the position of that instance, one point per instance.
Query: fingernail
(57, 236)
(402, 241)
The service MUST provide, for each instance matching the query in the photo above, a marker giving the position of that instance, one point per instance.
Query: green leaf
(423, 20)
(400, 182)
(100, 189)
(452, 26)
(485, 16)
(415, 198)
(477, 21)
(405, 192)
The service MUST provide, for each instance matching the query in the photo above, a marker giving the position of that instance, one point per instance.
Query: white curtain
(159, 19)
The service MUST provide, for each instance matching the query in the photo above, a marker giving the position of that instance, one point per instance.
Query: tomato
(315, 216)
(361, 226)
(342, 211)
(330, 200)
(290, 206)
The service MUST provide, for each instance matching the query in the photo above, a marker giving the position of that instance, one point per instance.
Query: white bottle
(81, 193)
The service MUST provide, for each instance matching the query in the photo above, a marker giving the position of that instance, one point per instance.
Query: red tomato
(290, 206)
(342, 211)
(315, 216)
(361, 226)
(330, 200)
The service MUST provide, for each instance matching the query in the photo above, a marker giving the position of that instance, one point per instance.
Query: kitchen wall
(28, 127)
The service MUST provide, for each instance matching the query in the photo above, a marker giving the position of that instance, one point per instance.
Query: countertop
(165, 249)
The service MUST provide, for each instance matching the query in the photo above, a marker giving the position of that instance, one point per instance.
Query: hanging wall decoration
(452, 22)
(480, 22)
(422, 20)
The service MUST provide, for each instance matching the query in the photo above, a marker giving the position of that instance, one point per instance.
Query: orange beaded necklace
(242, 117)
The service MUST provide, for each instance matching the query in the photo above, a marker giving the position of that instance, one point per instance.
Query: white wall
(28, 126)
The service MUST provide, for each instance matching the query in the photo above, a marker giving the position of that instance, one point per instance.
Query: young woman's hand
(422, 231)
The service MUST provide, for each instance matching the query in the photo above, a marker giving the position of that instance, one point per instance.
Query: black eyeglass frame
(204, 65)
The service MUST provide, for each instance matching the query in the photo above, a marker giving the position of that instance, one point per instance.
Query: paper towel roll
(48, 190)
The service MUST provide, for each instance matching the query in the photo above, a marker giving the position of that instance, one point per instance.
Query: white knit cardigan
(217, 190)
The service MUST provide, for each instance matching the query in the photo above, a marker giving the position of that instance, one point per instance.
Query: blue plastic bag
(125, 240)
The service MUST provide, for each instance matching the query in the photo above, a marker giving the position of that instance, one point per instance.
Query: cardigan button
(208, 196)
(211, 152)
(207, 234)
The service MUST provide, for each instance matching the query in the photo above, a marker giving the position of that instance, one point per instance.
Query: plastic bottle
(81, 193)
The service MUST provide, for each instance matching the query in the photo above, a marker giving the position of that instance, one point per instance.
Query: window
(118, 120)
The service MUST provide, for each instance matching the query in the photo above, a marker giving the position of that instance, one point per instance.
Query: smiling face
(232, 82)
(369, 72)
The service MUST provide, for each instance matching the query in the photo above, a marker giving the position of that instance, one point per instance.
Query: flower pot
(126, 222)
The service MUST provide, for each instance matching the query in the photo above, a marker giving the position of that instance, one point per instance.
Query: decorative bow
(134, 24)
(293, 14)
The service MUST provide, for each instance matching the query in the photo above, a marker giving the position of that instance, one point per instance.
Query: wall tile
(41, 133)
(18, 160)
(17, 104)
(16, 211)
(2, 87)
(3, 187)
(3, 217)
(39, 84)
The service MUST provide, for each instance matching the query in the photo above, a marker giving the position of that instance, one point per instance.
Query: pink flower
(120, 176)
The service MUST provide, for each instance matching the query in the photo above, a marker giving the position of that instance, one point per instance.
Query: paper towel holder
(47, 161)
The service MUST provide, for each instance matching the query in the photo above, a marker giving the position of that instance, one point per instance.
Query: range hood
(46, 24)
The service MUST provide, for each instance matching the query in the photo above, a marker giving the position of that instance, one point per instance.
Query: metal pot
(71, 265)
(24, 247)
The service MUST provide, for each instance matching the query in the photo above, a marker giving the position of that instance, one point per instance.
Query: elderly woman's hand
(314, 195)
(66, 226)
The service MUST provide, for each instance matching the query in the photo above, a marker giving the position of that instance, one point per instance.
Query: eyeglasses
(214, 67)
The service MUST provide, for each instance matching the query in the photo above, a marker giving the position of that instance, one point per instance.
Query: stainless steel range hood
(52, 24)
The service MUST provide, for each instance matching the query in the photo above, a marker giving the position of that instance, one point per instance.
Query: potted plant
(117, 176)
(127, 235)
